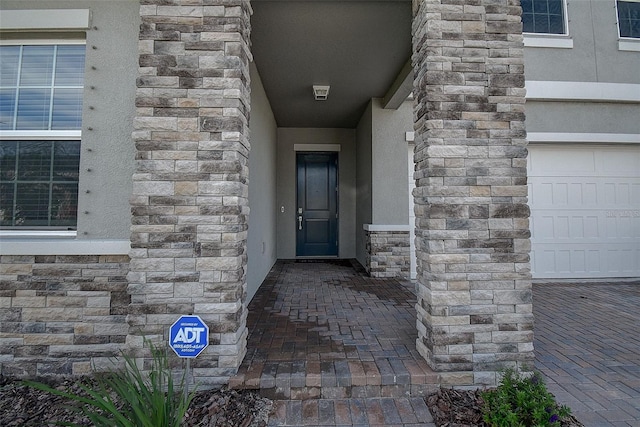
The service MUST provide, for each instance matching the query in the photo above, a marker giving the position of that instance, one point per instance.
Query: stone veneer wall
(474, 292)
(61, 315)
(190, 190)
(388, 254)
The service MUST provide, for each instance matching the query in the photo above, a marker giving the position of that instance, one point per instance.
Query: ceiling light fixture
(321, 93)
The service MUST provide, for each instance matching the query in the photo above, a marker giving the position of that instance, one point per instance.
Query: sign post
(188, 337)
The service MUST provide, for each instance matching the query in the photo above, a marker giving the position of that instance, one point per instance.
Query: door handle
(299, 222)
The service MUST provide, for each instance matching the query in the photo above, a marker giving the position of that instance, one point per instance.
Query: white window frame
(631, 44)
(552, 40)
(40, 135)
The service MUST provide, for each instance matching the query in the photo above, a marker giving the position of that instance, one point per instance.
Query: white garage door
(585, 211)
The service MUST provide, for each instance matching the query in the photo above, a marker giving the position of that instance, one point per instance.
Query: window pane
(67, 109)
(629, 19)
(540, 7)
(8, 156)
(37, 66)
(33, 109)
(70, 66)
(555, 8)
(635, 28)
(6, 204)
(66, 161)
(556, 24)
(64, 204)
(44, 190)
(9, 57)
(541, 23)
(543, 16)
(32, 204)
(34, 160)
(7, 108)
(527, 23)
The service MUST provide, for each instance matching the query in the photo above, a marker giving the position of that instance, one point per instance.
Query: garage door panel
(578, 227)
(585, 224)
(565, 260)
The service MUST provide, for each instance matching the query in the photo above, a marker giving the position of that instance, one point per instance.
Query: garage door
(585, 211)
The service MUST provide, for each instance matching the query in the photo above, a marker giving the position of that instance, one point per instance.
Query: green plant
(129, 397)
(522, 401)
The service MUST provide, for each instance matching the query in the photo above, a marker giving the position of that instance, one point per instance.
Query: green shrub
(129, 397)
(522, 401)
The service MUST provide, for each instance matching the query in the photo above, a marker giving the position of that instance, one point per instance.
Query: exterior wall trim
(629, 45)
(385, 227)
(316, 147)
(562, 137)
(548, 41)
(582, 91)
(45, 19)
(61, 244)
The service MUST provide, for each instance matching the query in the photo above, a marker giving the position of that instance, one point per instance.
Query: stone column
(474, 292)
(189, 202)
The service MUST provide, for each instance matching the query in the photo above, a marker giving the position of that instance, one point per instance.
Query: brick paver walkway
(334, 347)
(587, 343)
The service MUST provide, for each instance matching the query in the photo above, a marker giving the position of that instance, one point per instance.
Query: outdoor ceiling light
(321, 93)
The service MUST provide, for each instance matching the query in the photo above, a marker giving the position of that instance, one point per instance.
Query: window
(40, 120)
(543, 16)
(629, 19)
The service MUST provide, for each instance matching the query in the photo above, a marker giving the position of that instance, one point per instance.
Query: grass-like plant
(129, 397)
(522, 401)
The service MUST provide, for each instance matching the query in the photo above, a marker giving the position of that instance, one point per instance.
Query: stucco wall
(581, 117)
(389, 163)
(363, 182)
(594, 57)
(286, 193)
(108, 109)
(261, 239)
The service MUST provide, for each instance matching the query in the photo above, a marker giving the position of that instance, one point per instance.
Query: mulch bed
(25, 406)
(463, 408)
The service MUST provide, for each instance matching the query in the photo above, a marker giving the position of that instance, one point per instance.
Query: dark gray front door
(317, 211)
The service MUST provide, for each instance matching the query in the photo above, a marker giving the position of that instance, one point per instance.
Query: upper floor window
(629, 18)
(543, 16)
(40, 120)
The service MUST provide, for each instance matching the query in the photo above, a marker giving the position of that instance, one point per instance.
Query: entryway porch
(325, 329)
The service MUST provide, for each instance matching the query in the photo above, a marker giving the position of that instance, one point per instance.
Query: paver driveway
(587, 344)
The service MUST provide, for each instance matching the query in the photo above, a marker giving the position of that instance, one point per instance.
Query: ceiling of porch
(359, 48)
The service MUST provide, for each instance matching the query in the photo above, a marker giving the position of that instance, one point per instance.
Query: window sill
(38, 234)
(555, 41)
(629, 45)
(60, 242)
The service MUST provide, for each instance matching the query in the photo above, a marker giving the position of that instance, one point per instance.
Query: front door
(317, 198)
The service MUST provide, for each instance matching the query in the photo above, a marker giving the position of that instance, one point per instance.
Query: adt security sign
(188, 336)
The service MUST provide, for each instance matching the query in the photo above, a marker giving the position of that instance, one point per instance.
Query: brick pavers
(587, 344)
(384, 411)
(334, 347)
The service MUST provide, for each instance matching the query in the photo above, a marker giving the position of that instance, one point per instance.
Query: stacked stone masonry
(189, 203)
(388, 254)
(61, 314)
(474, 292)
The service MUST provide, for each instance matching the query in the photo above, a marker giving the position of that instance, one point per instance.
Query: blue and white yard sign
(188, 336)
